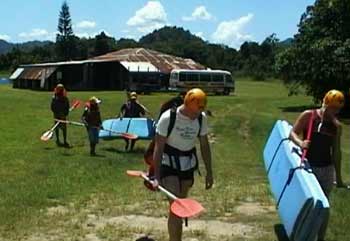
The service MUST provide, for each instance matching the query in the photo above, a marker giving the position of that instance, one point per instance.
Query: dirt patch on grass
(210, 228)
(253, 209)
(58, 210)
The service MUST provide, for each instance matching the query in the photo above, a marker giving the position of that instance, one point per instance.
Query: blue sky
(229, 22)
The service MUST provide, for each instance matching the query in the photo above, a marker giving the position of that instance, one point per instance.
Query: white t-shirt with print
(183, 136)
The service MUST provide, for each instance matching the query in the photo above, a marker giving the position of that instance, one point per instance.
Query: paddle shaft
(166, 192)
(74, 105)
(82, 124)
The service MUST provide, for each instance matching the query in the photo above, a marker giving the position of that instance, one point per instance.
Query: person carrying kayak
(132, 109)
(324, 153)
(92, 120)
(175, 157)
(60, 110)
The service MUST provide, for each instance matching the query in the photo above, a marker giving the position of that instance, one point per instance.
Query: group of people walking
(173, 156)
(91, 116)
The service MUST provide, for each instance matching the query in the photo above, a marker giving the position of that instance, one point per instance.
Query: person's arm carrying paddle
(206, 155)
(157, 157)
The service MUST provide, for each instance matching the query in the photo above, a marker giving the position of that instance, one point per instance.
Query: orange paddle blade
(76, 104)
(129, 136)
(134, 173)
(186, 208)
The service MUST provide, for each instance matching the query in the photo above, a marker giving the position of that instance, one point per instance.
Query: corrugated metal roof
(139, 66)
(36, 73)
(164, 62)
(75, 62)
(17, 72)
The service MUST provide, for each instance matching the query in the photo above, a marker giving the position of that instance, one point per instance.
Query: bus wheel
(227, 91)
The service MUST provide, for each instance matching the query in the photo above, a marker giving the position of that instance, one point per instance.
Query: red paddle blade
(46, 136)
(76, 103)
(129, 136)
(186, 208)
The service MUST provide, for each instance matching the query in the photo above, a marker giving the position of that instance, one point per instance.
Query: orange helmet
(334, 98)
(195, 100)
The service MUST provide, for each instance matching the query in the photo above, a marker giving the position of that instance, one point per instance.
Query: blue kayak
(142, 127)
(300, 200)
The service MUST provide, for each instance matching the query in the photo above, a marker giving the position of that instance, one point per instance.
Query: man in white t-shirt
(175, 154)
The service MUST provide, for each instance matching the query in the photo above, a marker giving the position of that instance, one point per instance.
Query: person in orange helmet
(60, 110)
(324, 154)
(175, 156)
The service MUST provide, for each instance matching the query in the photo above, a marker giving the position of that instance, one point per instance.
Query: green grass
(36, 177)
(5, 73)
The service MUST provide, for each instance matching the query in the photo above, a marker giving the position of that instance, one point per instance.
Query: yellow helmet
(334, 98)
(195, 100)
(133, 95)
(94, 100)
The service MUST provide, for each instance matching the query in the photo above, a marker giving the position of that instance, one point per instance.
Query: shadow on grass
(281, 232)
(135, 151)
(145, 239)
(300, 108)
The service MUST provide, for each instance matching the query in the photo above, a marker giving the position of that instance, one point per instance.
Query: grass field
(51, 193)
(4, 74)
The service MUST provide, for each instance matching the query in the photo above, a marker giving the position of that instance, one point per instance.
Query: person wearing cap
(60, 110)
(175, 156)
(324, 154)
(132, 109)
(92, 119)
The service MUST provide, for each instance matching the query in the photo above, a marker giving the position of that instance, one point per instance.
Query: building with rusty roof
(134, 69)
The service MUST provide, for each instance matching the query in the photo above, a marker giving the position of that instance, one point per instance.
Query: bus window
(218, 78)
(192, 77)
(205, 77)
(182, 77)
(174, 76)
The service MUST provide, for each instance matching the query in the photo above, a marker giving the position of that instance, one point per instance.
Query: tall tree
(66, 42)
(104, 44)
(319, 57)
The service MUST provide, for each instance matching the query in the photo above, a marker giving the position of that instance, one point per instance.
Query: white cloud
(200, 34)
(5, 37)
(152, 16)
(37, 34)
(199, 13)
(86, 24)
(92, 35)
(231, 32)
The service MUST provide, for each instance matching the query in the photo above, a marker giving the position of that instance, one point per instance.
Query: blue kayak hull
(301, 204)
(142, 127)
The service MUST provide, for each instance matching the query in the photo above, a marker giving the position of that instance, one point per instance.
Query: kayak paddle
(47, 135)
(125, 135)
(181, 207)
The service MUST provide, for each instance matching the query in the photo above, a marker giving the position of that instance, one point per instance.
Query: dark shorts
(326, 177)
(166, 171)
(93, 135)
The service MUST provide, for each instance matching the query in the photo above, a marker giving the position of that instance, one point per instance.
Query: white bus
(215, 81)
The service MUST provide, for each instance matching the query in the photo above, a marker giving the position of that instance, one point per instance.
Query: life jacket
(172, 152)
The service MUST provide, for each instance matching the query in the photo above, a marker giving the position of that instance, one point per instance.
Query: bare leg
(175, 223)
